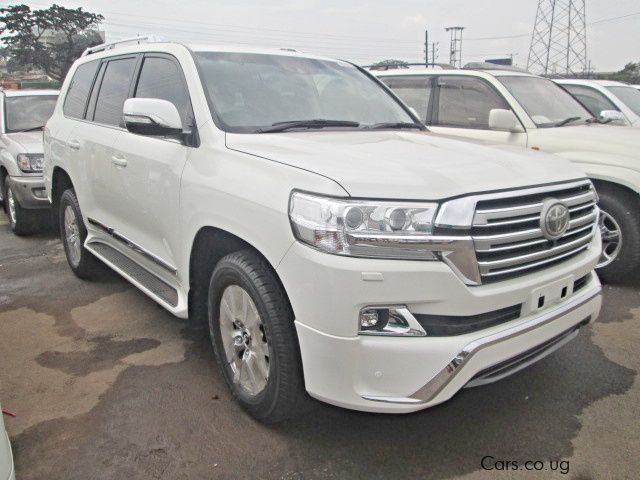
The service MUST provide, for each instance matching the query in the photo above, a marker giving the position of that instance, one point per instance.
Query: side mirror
(415, 112)
(151, 116)
(504, 120)
(612, 116)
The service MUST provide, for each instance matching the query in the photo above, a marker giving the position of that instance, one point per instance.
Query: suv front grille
(508, 239)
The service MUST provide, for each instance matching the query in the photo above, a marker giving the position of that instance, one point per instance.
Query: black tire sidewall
(626, 215)
(69, 198)
(230, 272)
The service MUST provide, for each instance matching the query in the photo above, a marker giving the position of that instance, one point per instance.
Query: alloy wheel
(611, 239)
(244, 339)
(72, 235)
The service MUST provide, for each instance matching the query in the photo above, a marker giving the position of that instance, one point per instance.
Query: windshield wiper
(315, 123)
(565, 121)
(32, 129)
(377, 126)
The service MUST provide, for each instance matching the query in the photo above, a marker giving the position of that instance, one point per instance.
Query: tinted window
(251, 91)
(590, 98)
(413, 90)
(629, 96)
(114, 90)
(466, 102)
(29, 112)
(162, 78)
(78, 92)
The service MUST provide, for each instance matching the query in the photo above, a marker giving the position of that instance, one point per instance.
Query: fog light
(391, 321)
(368, 318)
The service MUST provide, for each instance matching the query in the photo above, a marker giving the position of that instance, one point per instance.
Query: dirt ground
(108, 385)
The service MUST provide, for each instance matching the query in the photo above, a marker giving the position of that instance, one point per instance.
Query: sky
(367, 31)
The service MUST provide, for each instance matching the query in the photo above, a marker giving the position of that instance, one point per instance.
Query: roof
(29, 93)
(602, 83)
(464, 72)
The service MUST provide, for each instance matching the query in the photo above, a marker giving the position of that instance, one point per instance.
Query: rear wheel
(73, 233)
(620, 230)
(254, 339)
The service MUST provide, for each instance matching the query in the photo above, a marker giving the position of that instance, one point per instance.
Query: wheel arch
(209, 246)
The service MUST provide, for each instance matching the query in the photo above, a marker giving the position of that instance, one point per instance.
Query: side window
(415, 91)
(466, 102)
(76, 99)
(114, 90)
(162, 78)
(595, 101)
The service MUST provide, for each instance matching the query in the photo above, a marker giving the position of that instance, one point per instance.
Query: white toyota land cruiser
(516, 108)
(331, 243)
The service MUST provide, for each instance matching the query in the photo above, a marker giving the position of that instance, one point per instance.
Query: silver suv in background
(23, 114)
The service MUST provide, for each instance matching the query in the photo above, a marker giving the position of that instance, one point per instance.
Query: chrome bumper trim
(429, 391)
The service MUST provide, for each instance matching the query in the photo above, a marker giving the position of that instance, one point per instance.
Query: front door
(150, 168)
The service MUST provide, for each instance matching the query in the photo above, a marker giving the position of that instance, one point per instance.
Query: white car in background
(7, 471)
(606, 99)
(505, 106)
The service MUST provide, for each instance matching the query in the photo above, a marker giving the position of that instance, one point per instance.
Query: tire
(21, 220)
(275, 392)
(619, 210)
(73, 233)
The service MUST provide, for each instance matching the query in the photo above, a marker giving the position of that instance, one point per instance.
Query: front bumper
(30, 192)
(401, 374)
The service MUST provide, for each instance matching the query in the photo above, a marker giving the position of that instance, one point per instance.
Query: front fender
(615, 169)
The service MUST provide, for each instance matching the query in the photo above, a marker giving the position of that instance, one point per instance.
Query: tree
(390, 63)
(50, 39)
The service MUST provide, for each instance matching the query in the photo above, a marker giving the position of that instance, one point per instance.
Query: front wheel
(253, 335)
(620, 230)
(20, 220)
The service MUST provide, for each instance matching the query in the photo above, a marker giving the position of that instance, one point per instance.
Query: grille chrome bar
(509, 241)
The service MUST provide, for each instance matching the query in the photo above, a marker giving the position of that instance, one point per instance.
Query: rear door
(461, 106)
(148, 182)
(98, 136)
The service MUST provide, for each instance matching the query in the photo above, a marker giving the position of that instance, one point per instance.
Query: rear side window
(78, 92)
(415, 91)
(161, 78)
(114, 90)
(466, 102)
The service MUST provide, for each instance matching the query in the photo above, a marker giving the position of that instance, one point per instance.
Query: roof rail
(394, 66)
(110, 45)
(492, 66)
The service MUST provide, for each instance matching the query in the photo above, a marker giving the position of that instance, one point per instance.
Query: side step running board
(124, 265)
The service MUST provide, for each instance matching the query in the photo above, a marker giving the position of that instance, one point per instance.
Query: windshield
(630, 96)
(28, 112)
(251, 92)
(547, 104)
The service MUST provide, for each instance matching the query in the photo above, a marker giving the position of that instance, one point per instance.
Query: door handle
(74, 145)
(119, 161)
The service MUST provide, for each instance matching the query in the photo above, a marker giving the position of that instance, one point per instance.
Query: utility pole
(426, 48)
(455, 48)
(434, 54)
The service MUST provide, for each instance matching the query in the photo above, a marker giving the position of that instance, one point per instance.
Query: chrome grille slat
(509, 241)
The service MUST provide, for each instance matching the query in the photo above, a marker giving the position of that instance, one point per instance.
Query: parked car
(519, 109)
(7, 471)
(330, 243)
(607, 100)
(23, 114)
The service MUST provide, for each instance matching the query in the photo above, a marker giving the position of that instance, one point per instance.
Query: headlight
(30, 162)
(364, 228)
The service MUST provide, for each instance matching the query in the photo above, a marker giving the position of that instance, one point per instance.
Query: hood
(610, 144)
(26, 142)
(405, 164)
